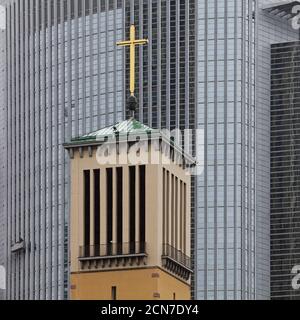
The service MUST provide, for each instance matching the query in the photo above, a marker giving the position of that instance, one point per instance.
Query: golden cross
(132, 43)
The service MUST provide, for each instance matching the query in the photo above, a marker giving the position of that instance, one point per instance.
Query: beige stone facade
(156, 264)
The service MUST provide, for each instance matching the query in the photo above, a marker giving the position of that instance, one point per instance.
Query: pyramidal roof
(123, 129)
(131, 126)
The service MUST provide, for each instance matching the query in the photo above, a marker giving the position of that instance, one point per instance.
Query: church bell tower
(130, 212)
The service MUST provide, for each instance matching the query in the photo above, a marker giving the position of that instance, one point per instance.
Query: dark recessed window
(97, 210)
(113, 293)
(87, 193)
(142, 207)
(132, 175)
(119, 209)
(109, 206)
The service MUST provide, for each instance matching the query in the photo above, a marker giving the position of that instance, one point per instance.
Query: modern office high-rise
(64, 78)
(234, 90)
(207, 66)
(285, 182)
(276, 28)
(3, 145)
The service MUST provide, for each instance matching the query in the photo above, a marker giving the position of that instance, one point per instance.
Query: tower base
(137, 284)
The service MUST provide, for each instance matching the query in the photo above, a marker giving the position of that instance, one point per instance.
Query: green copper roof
(122, 128)
(132, 127)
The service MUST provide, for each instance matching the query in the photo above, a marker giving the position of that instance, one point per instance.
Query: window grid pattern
(64, 79)
(285, 205)
(226, 113)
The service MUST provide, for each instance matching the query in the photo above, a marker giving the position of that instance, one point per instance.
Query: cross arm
(123, 43)
(142, 41)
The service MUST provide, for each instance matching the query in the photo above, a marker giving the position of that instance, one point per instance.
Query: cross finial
(131, 43)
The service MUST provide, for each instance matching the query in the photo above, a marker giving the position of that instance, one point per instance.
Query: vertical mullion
(150, 87)
(243, 148)
(141, 54)
(115, 61)
(255, 29)
(91, 45)
(131, 12)
(235, 148)
(9, 146)
(32, 154)
(248, 64)
(26, 109)
(76, 65)
(216, 151)
(49, 156)
(106, 65)
(177, 72)
(187, 65)
(168, 81)
(82, 105)
(37, 151)
(205, 153)
(159, 65)
(194, 126)
(98, 61)
(68, 125)
(250, 149)
(99, 64)
(55, 151)
(61, 208)
(225, 148)
(69, 75)
(13, 157)
(20, 152)
(124, 62)
(44, 153)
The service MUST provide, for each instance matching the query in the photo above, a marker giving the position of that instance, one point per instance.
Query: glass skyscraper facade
(226, 111)
(3, 144)
(285, 180)
(275, 27)
(65, 79)
(207, 66)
